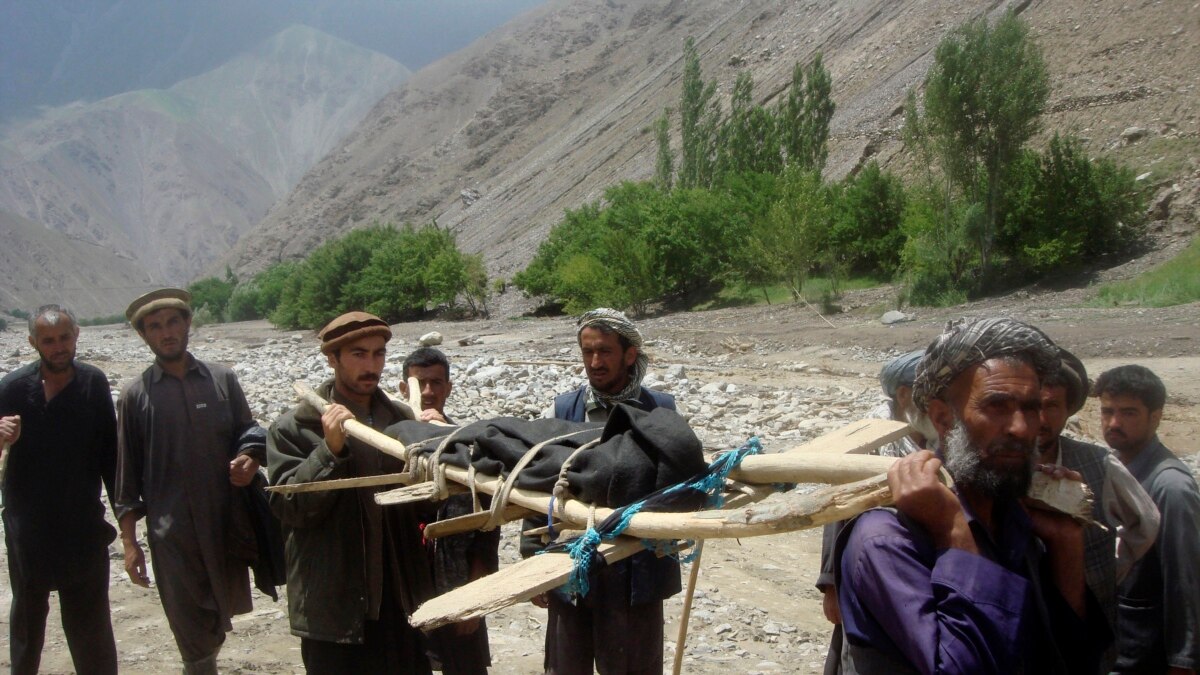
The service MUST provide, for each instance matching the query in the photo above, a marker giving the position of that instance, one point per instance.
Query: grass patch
(816, 290)
(1174, 282)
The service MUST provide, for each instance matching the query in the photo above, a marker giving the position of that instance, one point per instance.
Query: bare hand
(333, 422)
(135, 565)
(431, 415)
(10, 429)
(919, 495)
(542, 600)
(829, 604)
(242, 470)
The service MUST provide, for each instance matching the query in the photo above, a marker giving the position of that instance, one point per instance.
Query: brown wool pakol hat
(163, 298)
(349, 327)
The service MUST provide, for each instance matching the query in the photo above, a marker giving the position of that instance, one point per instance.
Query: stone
(431, 339)
(1132, 135)
(894, 316)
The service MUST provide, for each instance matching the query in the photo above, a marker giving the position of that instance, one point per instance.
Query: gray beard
(965, 464)
(920, 423)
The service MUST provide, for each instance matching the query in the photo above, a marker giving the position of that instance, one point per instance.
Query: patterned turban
(964, 344)
(613, 321)
(900, 372)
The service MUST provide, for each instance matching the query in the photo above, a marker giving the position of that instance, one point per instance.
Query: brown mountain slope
(496, 140)
(39, 266)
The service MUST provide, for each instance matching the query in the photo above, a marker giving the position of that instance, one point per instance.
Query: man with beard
(355, 570)
(966, 580)
(1158, 604)
(1120, 503)
(461, 648)
(186, 440)
(57, 416)
(618, 625)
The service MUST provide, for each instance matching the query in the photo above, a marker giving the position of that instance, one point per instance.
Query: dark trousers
(604, 629)
(390, 645)
(83, 601)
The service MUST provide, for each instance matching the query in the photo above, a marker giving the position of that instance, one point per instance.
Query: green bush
(867, 227)
(939, 256)
(20, 314)
(3, 324)
(103, 320)
(396, 273)
(1063, 210)
(212, 294)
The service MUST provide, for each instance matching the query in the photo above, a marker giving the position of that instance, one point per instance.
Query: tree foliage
(983, 97)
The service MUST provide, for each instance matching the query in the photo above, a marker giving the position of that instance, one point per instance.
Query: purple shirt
(950, 611)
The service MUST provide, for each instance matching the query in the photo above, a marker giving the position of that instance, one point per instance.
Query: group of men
(975, 578)
(968, 578)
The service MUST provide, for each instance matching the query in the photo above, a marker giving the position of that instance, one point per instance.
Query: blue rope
(711, 483)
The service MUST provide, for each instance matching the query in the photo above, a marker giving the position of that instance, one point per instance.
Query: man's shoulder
(661, 398)
(137, 385)
(24, 372)
(876, 522)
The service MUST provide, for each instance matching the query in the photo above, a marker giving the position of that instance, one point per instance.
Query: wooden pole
(341, 483)
(681, 637)
(354, 429)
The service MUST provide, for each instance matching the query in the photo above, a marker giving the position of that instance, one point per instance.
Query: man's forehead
(430, 372)
(61, 323)
(163, 314)
(1122, 401)
(369, 343)
(997, 376)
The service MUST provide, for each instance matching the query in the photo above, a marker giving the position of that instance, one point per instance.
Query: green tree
(804, 116)
(212, 294)
(664, 166)
(867, 228)
(791, 241)
(983, 96)
(699, 122)
(748, 139)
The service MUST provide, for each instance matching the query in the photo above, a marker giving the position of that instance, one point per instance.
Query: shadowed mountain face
(496, 140)
(170, 179)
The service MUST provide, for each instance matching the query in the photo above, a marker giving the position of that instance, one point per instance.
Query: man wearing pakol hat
(1121, 505)
(970, 579)
(618, 625)
(186, 438)
(896, 379)
(356, 570)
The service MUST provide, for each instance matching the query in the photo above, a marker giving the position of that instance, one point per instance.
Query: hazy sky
(57, 51)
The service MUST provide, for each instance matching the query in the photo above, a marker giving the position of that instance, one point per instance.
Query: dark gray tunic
(176, 439)
(1158, 610)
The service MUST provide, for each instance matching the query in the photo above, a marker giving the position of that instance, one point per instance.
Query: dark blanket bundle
(639, 452)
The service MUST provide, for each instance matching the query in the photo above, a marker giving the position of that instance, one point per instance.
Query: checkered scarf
(612, 320)
(964, 344)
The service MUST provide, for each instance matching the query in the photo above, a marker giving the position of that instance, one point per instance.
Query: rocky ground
(780, 372)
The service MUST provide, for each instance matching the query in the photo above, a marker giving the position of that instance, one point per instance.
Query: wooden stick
(527, 578)
(341, 483)
(472, 521)
(354, 429)
(681, 637)
(856, 438)
(530, 577)
(419, 492)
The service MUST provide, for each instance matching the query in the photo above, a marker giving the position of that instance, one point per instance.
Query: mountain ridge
(171, 178)
(496, 140)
